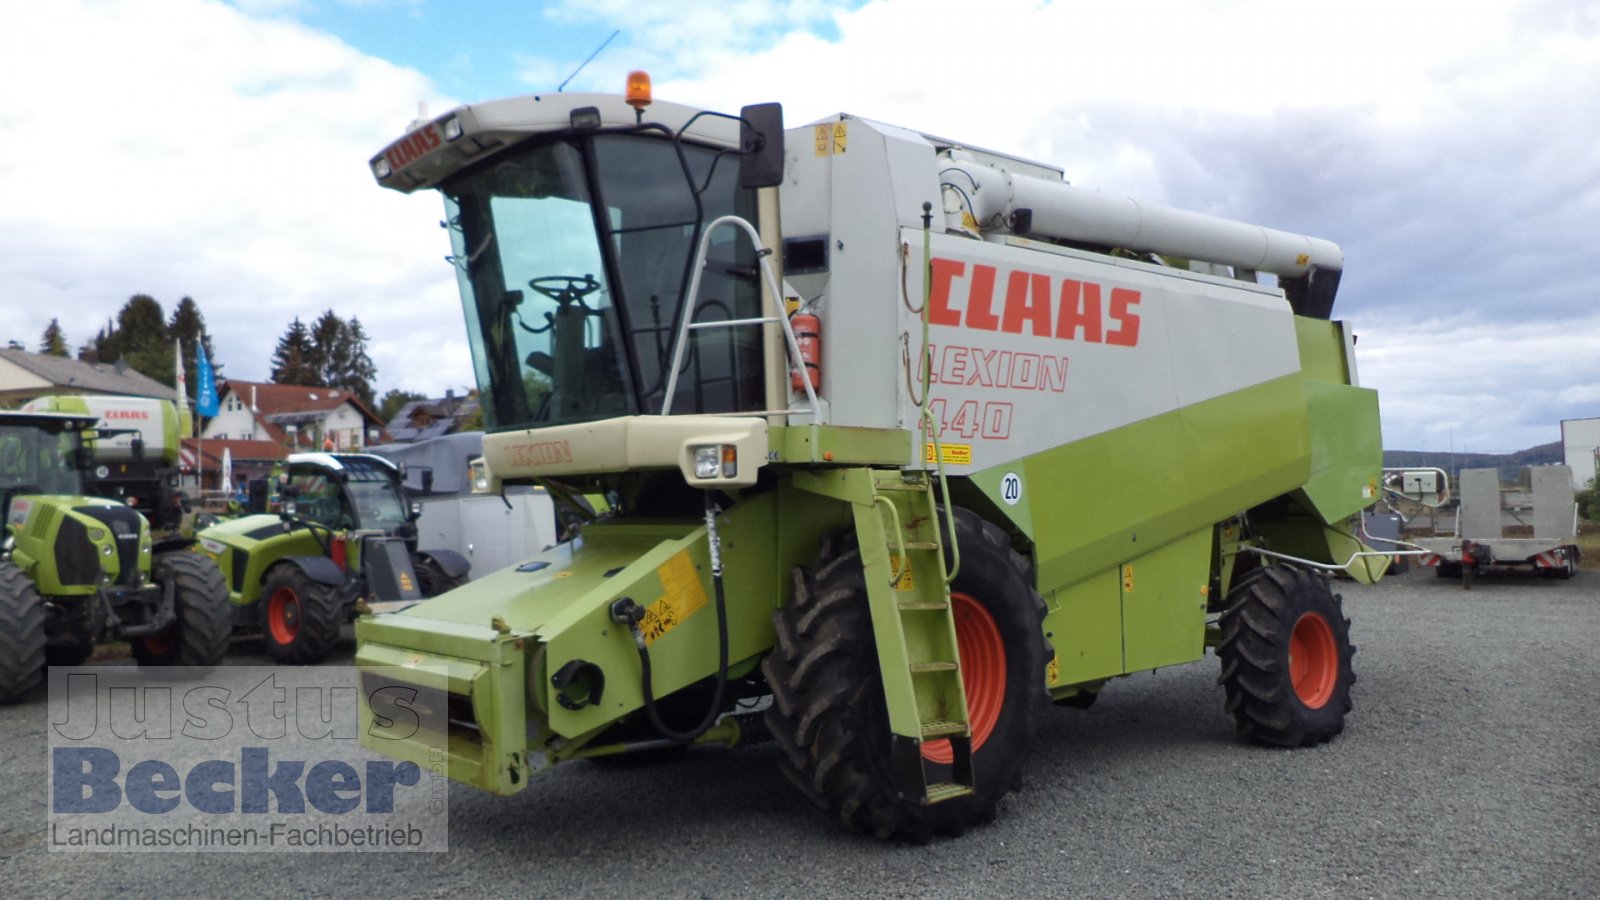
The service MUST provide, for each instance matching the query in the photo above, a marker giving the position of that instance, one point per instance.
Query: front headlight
(480, 476)
(716, 461)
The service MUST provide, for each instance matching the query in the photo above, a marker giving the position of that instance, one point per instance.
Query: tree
(139, 337)
(293, 361)
(54, 341)
(394, 401)
(188, 327)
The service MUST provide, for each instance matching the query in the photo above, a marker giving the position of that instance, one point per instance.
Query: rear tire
(828, 713)
(1285, 655)
(431, 579)
(205, 616)
(300, 618)
(21, 634)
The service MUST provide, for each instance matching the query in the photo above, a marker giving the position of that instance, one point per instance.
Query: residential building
(420, 420)
(300, 418)
(28, 376)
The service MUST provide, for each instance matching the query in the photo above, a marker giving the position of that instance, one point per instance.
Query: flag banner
(206, 401)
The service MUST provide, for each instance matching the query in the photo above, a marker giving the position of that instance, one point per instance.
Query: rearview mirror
(761, 145)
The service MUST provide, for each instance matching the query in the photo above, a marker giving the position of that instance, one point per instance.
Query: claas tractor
(344, 538)
(905, 439)
(77, 570)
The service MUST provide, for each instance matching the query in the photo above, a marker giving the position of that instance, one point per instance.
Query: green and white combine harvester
(908, 436)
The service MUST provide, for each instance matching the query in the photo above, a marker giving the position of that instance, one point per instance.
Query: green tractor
(77, 570)
(345, 540)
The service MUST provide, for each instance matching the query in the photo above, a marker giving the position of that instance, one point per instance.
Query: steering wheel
(567, 291)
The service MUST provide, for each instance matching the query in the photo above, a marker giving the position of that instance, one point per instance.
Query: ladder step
(946, 790)
(921, 667)
(944, 728)
(917, 605)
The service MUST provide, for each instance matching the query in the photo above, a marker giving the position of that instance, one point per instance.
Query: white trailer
(1492, 533)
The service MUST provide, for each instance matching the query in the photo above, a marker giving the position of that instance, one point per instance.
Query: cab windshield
(573, 257)
(37, 460)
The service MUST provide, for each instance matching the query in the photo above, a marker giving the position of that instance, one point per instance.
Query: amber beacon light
(638, 93)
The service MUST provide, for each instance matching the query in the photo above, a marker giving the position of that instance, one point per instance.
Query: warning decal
(952, 454)
(900, 572)
(1052, 672)
(684, 596)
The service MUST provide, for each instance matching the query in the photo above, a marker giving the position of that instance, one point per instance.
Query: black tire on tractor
(1285, 655)
(69, 653)
(205, 616)
(431, 579)
(300, 618)
(21, 634)
(828, 713)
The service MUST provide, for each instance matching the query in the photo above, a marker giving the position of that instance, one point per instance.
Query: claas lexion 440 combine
(909, 436)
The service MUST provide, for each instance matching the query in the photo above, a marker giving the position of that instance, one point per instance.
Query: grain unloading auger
(954, 440)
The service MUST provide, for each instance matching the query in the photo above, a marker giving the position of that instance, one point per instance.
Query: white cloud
(185, 147)
(178, 147)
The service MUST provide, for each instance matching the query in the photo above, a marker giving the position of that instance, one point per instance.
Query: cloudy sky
(218, 150)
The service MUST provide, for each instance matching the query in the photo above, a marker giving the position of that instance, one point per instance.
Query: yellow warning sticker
(405, 581)
(685, 595)
(952, 454)
(1052, 672)
(824, 138)
(900, 572)
(1127, 578)
(841, 137)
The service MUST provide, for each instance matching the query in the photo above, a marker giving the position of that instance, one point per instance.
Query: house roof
(273, 399)
(210, 451)
(420, 420)
(280, 405)
(78, 376)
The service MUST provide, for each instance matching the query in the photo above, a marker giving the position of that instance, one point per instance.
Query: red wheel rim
(157, 644)
(283, 615)
(1313, 660)
(983, 674)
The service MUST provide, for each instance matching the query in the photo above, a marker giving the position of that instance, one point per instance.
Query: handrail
(681, 342)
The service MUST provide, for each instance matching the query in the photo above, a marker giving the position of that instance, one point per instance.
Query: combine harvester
(908, 436)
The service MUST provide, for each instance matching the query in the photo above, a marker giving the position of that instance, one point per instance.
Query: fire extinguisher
(808, 335)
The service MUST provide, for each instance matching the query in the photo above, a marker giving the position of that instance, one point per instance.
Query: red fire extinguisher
(808, 335)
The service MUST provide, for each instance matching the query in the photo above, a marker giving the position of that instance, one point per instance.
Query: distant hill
(1509, 464)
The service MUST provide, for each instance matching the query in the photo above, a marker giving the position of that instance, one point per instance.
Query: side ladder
(914, 629)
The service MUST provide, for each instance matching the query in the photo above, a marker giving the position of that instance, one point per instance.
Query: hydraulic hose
(626, 611)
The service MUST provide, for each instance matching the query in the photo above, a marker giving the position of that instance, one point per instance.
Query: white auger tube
(1059, 210)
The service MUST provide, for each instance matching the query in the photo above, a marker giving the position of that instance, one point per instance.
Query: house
(201, 462)
(300, 418)
(420, 420)
(28, 376)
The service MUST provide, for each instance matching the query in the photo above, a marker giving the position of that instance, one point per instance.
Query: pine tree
(54, 341)
(294, 362)
(139, 338)
(188, 327)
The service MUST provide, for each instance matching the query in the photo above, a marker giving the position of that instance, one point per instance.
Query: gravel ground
(1470, 767)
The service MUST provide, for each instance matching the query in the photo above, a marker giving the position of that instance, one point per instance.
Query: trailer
(1493, 532)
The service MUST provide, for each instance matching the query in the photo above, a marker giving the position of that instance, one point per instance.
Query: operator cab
(347, 492)
(41, 453)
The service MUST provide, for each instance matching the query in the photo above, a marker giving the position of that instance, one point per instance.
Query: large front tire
(432, 579)
(828, 713)
(21, 634)
(1285, 655)
(205, 617)
(300, 618)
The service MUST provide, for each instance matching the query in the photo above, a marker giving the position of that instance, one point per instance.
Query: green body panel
(259, 541)
(1164, 603)
(37, 536)
(1116, 496)
(559, 612)
(839, 444)
(1084, 625)
(1346, 453)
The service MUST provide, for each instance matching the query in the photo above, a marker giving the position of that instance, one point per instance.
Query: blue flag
(206, 401)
